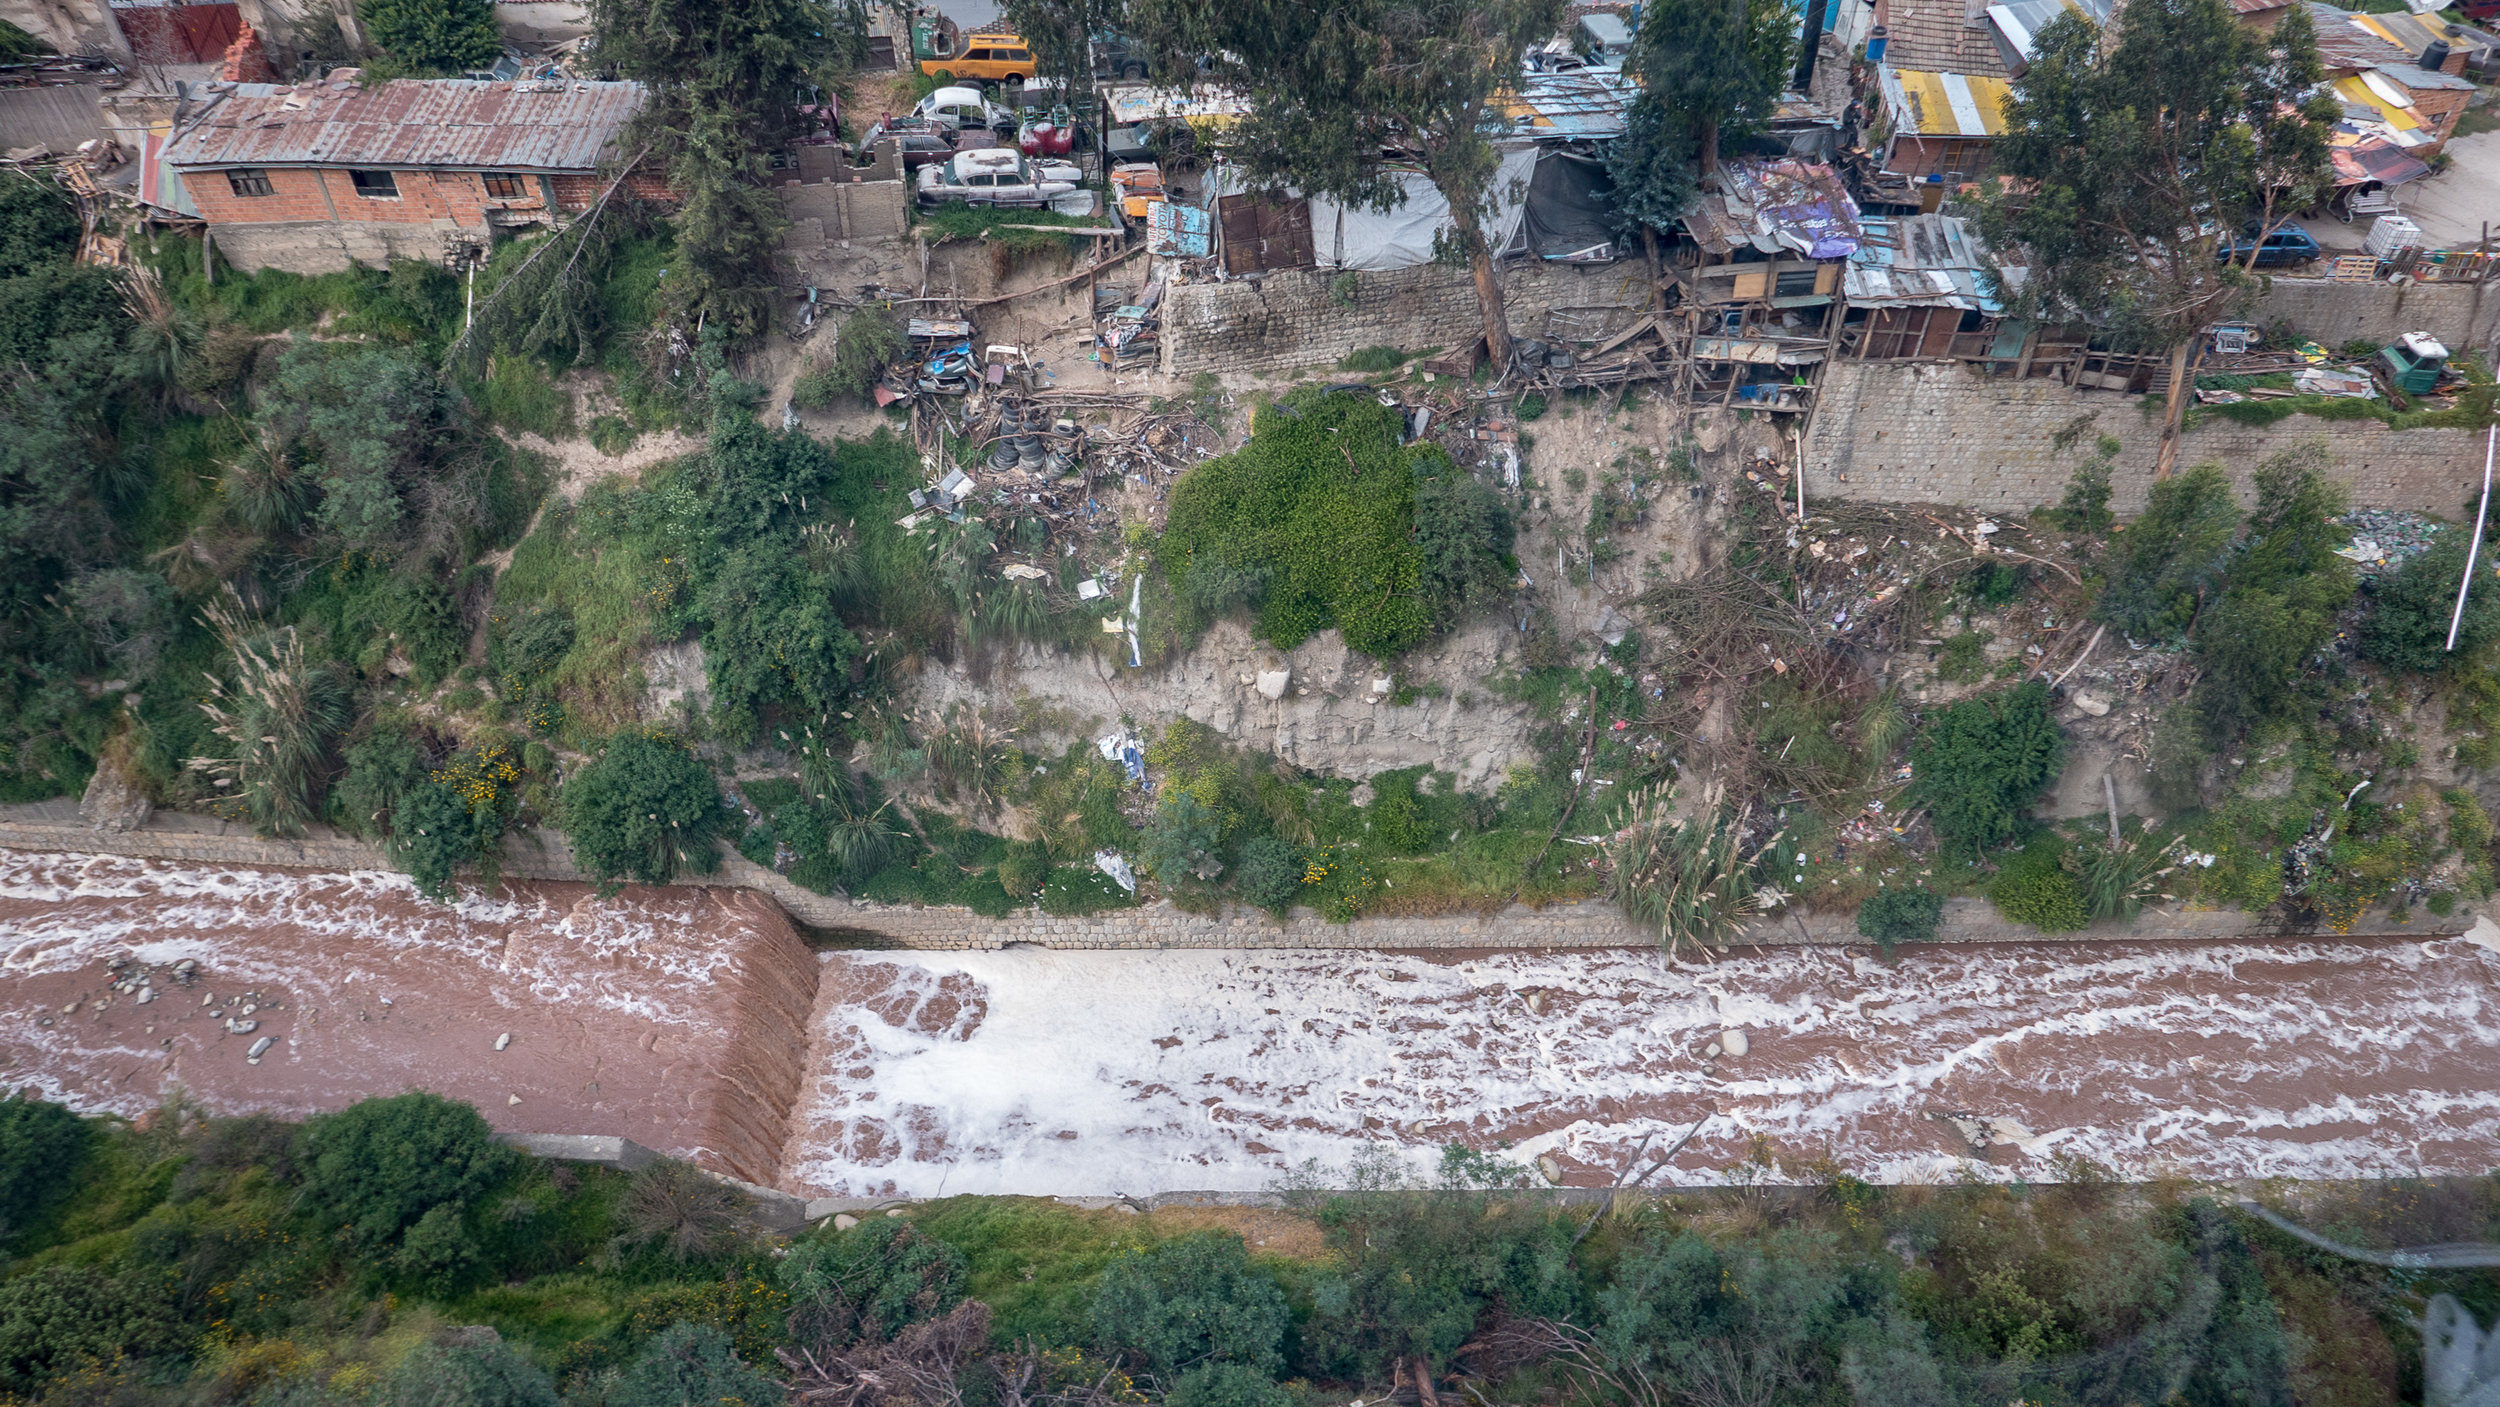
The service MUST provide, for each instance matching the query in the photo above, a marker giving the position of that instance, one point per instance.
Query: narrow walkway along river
(695, 1021)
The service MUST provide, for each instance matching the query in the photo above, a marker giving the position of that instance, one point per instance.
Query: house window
(374, 185)
(249, 180)
(506, 185)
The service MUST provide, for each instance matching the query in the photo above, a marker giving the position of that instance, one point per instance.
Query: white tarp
(1353, 237)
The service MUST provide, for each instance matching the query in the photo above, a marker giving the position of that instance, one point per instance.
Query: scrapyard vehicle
(997, 177)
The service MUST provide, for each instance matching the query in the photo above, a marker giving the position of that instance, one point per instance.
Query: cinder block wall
(1293, 317)
(1937, 432)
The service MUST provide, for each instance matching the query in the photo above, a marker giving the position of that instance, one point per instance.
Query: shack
(315, 177)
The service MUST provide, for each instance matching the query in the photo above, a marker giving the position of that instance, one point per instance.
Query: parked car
(986, 58)
(958, 109)
(998, 176)
(1116, 59)
(920, 141)
(2289, 245)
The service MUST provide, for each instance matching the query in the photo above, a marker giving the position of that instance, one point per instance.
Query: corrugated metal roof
(1929, 260)
(1945, 104)
(454, 123)
(1590, 104)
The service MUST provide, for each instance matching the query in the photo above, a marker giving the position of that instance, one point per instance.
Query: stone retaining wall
(1590, 924)
(1939, 432)
(1295, 317)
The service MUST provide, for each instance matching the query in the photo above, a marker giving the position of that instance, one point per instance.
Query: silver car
(997, 176)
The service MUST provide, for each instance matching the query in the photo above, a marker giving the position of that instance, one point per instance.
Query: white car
(996, 176)
(962, 108)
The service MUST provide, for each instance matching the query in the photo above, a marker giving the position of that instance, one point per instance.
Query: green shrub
(1464, 532)
(688, 1365)
(2164, 560)
(433, 38)
(869, 1283)
(1190, 1303)
(1269, 875)
(1530, 406)
(473, 1374)
(1322, 501)
(1373, 359)
(1964, 658)
(1180, 844)
(1227, 1385)
(2407, 627)
(1980, 763)
(378, 1166)
(520, 396)
(1023, 868)
(644, 809)
(868, 342)
(2280, 596)
(2033, 887)
(61, 1317)
(1893, 917)
(612, 435)
(42, 1149)
(435, 834)
(1073, 891)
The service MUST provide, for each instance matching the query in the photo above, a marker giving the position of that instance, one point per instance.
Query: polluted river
(698, 1022)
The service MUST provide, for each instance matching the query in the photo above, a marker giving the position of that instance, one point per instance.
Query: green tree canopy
(644, 809)
(432, 38)
(2280, 596)
(377, 1166)
(2410, 608)
(1338, 92)
(41, 1149)
(1710, 71)
(722, 79)
(1981, 763)
(2130, 159)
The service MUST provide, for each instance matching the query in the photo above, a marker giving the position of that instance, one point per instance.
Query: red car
(1051, 133)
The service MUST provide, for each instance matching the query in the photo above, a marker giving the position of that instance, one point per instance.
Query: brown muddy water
(696, 1022)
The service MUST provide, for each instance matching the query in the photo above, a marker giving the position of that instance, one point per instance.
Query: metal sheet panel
(450, 123)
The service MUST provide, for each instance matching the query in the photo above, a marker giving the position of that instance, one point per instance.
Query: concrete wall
(1938, 432)
(837, 210)
(2462, 315)
(1290, 317)
(541, 855)
(326, 246)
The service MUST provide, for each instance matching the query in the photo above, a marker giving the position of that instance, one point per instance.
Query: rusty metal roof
(453, 123)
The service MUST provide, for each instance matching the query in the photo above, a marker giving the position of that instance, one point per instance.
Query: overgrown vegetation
(393, 1252)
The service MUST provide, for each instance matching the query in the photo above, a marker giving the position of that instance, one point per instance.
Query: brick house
(1938, 128)
(314, 177)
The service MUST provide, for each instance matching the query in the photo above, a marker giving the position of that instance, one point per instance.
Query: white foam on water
(1094, 1072)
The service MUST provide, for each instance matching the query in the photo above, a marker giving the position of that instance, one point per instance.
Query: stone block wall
(1939, 432)
(1291, 317)
(2462, 315)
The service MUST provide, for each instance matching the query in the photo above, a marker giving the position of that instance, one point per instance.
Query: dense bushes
(2410, 607)
(1321, 520)
(1897, 916)
(41, 1148)
(644, 810)
(1980, 763)
(203, 1268)
(379, 1168)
